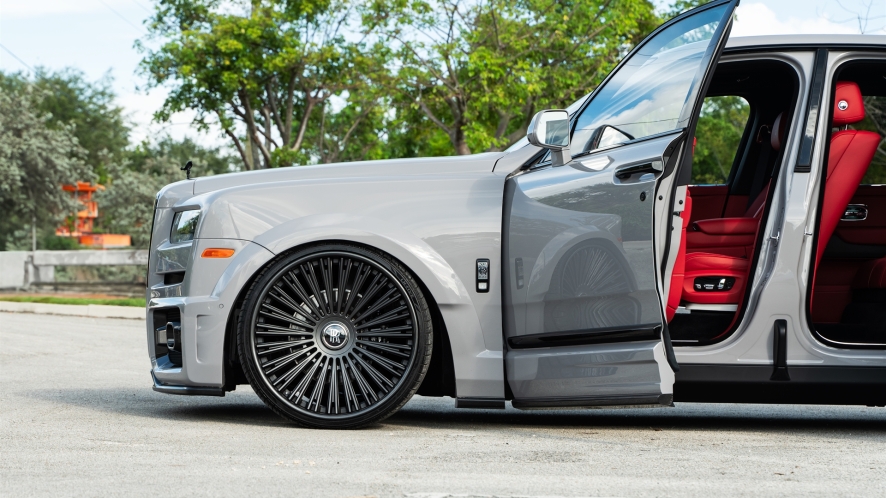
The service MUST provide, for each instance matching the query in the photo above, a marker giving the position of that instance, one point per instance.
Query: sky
(98, 36)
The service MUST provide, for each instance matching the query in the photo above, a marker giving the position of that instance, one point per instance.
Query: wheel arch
(440, 379)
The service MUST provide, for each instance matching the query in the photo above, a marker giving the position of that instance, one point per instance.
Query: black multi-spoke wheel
(335, 336)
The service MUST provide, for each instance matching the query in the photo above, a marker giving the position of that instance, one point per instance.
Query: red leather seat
(726, 244)
(848, 160)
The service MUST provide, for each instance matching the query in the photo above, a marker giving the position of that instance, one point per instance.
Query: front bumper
(186, 390)
(203, 300)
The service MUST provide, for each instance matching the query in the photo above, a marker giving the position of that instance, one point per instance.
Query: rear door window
(718, 135)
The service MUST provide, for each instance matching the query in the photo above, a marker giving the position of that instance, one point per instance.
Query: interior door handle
(626, 172)
(855, 212)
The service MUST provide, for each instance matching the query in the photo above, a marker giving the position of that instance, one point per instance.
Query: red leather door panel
(873, 229)
(707, 201)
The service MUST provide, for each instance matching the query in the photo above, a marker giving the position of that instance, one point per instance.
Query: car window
(718, 135)
(875, 120)
(648, 94)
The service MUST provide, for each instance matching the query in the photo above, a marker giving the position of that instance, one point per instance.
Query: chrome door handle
(855, 212)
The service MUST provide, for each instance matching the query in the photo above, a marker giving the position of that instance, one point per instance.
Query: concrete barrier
(22, 269)
(91, 310)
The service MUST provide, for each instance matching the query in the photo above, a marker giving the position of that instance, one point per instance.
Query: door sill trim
(645, 332)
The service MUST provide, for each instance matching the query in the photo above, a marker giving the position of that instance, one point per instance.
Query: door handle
(626, 172)
(855, 212)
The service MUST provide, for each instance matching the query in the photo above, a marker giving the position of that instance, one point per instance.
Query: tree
(479, 70)
(720, 126)
(37, 156)
(272, 68)
(69, 100)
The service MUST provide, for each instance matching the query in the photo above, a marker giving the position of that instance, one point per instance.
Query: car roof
(878, 41)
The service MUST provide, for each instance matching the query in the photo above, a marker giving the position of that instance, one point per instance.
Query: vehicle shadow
(244, 408)
(239, 408)
(686, 416)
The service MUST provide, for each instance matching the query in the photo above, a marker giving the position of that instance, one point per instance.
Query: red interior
(677, 276)
(873, 229)
(833, 288)
(850, 155)
(708, 201)
(733, 237)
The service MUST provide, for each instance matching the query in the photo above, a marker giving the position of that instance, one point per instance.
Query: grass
(123, 301)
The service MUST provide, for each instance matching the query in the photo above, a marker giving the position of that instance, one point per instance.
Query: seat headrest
(848, 105)
(776, 138)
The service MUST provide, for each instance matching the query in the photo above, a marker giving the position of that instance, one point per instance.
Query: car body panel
(438, 216)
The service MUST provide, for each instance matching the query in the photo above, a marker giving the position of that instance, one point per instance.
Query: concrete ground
(78, 417)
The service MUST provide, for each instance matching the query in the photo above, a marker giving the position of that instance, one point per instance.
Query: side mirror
(550, 130)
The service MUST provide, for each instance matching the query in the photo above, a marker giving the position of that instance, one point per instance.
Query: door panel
(708, 201)
(583, 289)
(583, 239)
(872, 229)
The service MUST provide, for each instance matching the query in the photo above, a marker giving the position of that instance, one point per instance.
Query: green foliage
(37, 157)
(163, 155)
(58, 128)
(875, 120)
(478, 71)
(681, 6)
(273, 68)
(473, 73)
(89, 107)
(720, 127)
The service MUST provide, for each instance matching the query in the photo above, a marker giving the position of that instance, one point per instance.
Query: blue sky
(97, 37)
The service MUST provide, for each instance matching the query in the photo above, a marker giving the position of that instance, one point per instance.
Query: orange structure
(82, 225)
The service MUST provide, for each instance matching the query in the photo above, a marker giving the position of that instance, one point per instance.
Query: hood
(390, 167)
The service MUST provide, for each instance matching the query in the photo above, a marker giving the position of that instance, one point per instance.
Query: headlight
(183, 226)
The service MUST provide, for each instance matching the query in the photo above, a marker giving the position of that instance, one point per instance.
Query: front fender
(477, 364)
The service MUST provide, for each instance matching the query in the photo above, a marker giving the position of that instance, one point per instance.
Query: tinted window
(875, 121)
(718, 134)
(648, 95)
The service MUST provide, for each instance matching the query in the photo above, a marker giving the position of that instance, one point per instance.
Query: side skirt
(817, 385)
(655, 401)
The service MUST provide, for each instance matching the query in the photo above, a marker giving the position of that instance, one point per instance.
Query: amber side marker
(217, 253)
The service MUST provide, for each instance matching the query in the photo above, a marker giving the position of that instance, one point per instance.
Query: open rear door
(586, 244)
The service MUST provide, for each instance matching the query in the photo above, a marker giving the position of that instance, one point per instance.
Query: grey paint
(583, 238)
(437, 216)
(781, 279)
(604, 370)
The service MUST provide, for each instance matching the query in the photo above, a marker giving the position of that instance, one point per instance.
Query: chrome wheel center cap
(335, 335)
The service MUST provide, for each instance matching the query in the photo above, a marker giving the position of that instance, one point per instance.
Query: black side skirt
(816, 385)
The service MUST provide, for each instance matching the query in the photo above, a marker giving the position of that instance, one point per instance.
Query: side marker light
(217, 253)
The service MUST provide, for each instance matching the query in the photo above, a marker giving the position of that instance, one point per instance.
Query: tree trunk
(458, 140)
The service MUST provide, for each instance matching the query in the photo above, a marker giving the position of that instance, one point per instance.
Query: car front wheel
(335, 336)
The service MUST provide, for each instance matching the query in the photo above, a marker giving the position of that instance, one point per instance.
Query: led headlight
(183, 226)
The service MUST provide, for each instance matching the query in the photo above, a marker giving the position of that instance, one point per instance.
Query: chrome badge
(842, 105)
(335, 335)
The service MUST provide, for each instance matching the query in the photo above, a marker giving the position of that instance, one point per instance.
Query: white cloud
(756, 18)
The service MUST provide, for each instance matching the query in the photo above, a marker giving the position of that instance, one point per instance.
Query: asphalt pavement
(78, 418)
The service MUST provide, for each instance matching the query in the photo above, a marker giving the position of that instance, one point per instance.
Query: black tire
(352, 358)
